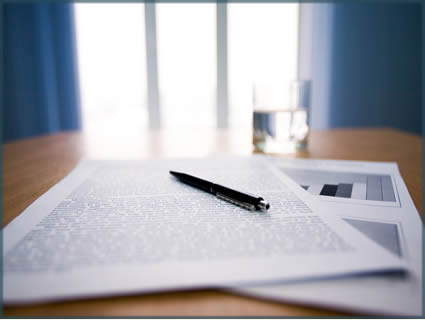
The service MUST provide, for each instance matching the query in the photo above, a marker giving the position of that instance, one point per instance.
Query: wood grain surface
(33, 166)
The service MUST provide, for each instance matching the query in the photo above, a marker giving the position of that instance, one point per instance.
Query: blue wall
(376, 67)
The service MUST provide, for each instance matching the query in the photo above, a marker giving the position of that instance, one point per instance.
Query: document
(381, 208)
(121, 227)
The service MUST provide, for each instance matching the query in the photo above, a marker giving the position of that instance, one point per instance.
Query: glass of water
(281, 126)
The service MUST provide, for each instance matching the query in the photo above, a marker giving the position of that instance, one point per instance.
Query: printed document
(120, 227)
(373, 199)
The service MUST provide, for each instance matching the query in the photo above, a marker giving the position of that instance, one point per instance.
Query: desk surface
(32, 166)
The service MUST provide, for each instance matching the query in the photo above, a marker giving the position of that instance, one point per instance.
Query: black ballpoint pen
(239, 198)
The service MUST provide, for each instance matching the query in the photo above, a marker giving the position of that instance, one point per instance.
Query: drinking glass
(281, 126)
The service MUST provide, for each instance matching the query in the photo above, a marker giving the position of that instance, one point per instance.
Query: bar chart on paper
(353, 185)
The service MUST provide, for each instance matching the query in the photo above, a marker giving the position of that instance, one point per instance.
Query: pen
(236, 197)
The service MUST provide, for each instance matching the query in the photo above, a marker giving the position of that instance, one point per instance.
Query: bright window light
(112, 66)
(263, 53)
(111, 46)
(186, 36)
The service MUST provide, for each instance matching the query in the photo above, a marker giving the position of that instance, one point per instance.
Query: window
(262, 49)
(263, 52)
(186, 38)
(112, 66)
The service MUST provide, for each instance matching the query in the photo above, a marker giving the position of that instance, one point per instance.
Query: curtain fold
(376, 66)
(41, 93)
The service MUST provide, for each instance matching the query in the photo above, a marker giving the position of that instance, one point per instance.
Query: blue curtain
(40, 84)
(376, 66)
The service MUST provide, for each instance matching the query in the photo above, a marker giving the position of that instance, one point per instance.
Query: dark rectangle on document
(384, 234)
(374, 188)
(329, 190)
(387, 189)
(344, 190)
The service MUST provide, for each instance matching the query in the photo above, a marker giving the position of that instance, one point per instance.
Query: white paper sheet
(395, 225)
(117, 227)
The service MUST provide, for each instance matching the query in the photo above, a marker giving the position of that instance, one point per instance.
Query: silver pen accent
(238, 203)
(263, 205)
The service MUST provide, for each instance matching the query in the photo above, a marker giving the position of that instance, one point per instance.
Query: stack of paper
(118, 227)
(384, 212)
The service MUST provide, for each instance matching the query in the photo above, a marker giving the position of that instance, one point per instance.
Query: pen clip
(236, 202)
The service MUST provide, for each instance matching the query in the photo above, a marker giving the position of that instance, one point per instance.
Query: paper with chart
(118, 227)
(373, 198)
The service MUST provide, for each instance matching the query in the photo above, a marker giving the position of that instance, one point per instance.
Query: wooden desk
(32, 166)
